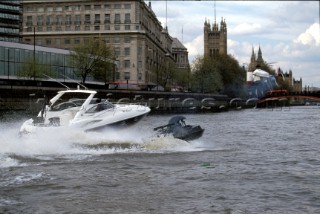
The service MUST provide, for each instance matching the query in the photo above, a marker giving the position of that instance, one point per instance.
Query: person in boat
(99, 105)
(178, 128)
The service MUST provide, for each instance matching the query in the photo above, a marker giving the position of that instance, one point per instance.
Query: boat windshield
(100, 107)
(69, 100)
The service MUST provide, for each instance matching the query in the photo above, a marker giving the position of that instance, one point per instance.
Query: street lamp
(34, 53)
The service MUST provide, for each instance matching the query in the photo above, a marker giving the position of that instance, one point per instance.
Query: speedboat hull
(85, 115)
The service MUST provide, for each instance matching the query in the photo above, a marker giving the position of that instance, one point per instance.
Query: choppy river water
(247, 161)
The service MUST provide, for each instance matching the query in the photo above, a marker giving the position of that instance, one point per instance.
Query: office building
(10, 20)
(141, 45)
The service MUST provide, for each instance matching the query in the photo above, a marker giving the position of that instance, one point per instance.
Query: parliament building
(215, 38)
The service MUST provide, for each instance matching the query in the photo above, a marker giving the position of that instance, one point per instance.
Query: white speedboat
(79, 109)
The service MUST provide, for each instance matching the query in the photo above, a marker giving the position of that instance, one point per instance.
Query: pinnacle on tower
(253, 56)
(259, 59)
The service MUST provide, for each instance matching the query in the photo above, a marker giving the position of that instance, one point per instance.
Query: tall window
(68, 19)
(87, 19)
(127, 51)
(106, 18)
(117, 51)
(117, 19)
(127, 18)
(77, 20)
(127, 75)
(97, 18)
(49, 20)
(40, 20)
(127, 63)
(59, 20)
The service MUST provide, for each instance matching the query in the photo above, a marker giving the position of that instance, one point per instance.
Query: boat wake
(71, 143)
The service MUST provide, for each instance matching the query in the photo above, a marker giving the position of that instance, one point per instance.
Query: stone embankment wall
(30, 98)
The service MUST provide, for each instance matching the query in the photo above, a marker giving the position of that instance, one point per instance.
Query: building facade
(256, 61)
(287, 77)
(180, 54)
(215, 38)
(10, 20)
(14, 56)
(141, 45)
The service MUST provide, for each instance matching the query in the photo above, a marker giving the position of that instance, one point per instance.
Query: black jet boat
(178, 128)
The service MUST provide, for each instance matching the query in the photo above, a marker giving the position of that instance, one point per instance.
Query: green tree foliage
(219, 73)
(207, 78)
(32, 69)
(166, 74)
(93, 58)
(233, 75)
(182, 77)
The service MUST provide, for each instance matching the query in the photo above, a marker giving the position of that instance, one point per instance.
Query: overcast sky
(288, 32)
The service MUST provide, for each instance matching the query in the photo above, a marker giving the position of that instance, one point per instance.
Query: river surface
(247, 161)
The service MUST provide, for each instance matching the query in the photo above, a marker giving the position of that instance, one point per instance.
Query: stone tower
(215, 38)
(256, 61)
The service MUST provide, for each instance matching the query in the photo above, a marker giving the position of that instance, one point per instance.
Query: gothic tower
(259, 61)
(256, 61)
(215, 39)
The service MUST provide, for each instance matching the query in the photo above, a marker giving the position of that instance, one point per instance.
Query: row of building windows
(77, 19)
(23, 55)
(78, 8)
(9, 7)
(12, 61)
(77, 40)
(9, 39)
(214, 51)
(9, 16)
(9, 30)
(85, 28)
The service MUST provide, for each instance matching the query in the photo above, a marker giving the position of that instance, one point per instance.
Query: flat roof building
(14, 57)
(141, 45)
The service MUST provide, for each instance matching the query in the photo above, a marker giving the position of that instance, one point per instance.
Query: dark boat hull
(188, 133)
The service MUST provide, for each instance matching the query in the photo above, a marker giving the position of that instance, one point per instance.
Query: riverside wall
(30, 98)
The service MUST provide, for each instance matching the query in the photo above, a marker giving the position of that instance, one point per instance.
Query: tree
(166, 74)
(182, 77)
(32, 69)
(218, 73)
(92, 58)
(233, 75)
(206, 75)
